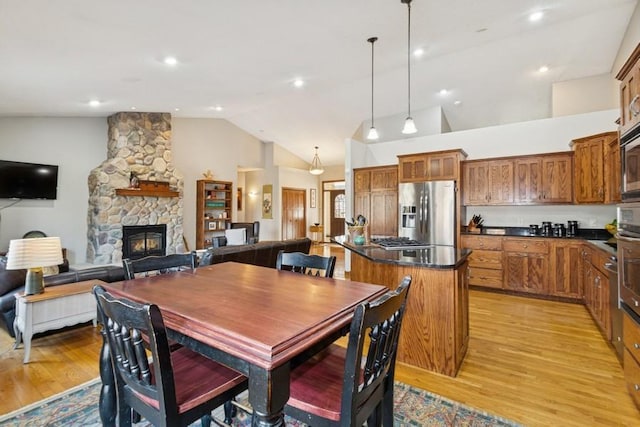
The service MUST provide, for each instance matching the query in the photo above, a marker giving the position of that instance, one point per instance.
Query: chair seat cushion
(189, 370)
(316, 386)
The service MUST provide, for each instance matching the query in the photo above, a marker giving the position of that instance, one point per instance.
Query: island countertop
(436, 256)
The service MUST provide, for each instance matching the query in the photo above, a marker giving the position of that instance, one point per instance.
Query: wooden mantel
(149, 189)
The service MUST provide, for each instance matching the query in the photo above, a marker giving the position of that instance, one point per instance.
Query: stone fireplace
(138, 143)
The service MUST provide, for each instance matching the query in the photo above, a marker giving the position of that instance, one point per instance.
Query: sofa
(262, 253)
(12, 281)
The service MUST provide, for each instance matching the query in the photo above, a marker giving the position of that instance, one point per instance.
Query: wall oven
(628, 239)
(630, 153)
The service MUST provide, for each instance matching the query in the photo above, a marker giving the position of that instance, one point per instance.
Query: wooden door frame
(322, 190)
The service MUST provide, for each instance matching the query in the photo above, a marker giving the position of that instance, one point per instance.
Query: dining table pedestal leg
(268, 393)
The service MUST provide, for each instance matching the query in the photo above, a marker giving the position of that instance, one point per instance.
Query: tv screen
(20, 180)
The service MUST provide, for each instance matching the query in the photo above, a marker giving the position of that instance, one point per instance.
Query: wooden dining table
(260, 321)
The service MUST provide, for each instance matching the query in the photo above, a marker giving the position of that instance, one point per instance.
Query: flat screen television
(19, 180)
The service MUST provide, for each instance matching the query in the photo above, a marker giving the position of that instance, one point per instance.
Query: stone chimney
(139, 143)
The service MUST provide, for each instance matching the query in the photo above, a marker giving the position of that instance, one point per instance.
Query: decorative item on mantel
(148, 188)
(475, 225)
(134, 182)
(208, 174)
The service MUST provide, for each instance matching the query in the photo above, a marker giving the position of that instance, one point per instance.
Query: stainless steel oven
(628, 238)
(630, 152)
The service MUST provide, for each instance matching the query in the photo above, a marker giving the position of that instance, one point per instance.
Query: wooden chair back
(364, 389)
(125, 322)
(153, 265)
(313, 265)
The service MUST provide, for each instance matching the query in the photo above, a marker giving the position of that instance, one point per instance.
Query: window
(339, 206)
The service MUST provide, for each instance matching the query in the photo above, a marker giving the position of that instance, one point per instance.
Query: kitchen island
(435, 331)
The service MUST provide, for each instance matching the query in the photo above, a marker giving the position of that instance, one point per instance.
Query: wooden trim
(628, 65)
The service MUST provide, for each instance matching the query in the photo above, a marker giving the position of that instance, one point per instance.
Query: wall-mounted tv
(20, 180)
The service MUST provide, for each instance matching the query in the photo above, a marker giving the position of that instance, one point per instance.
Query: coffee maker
(572, 228)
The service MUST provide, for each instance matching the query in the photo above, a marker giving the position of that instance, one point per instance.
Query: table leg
(107, 404)
(18, 333)
(268, 393)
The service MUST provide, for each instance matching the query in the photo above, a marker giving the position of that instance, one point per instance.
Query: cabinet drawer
(486, 259)
(485, 277)
(482, 242)
(632, 376)
(631, 336)
(531, 246)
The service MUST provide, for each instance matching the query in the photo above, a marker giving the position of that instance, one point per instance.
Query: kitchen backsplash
(588, 216)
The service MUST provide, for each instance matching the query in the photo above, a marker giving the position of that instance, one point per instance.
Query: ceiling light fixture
(170, 60)
(409, 125)
(543, 69)
(316, 167)
(373, 133)
(536, 16)
(298, 82)
(418, 52)
(94, 103)
(443, 92)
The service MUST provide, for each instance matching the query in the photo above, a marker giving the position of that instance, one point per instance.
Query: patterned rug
(413, 407)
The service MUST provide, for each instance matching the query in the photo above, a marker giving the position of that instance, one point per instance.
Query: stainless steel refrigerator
(428, 212)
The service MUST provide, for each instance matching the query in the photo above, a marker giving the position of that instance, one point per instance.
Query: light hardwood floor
(537, 362)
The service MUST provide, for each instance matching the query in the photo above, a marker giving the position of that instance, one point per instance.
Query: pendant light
(409, 125)
(373, 133)
(316, 167)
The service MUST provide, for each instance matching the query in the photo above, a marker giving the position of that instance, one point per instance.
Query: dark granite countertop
(437, 256)
(598, 237)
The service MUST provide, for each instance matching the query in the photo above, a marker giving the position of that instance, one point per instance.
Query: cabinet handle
(636, 345)
(632, 108)
(525, 246)
(636, 387)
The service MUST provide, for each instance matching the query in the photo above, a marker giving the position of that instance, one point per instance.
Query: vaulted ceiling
(56, 56)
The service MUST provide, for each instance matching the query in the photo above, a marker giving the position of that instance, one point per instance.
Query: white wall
(595, 93)
(76, 145)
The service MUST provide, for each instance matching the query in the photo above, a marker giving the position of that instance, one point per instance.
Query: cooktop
(398, 243)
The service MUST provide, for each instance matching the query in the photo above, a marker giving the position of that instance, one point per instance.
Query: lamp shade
(31, 253)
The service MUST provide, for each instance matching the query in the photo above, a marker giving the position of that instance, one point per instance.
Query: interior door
(294, 215)
(338, 207)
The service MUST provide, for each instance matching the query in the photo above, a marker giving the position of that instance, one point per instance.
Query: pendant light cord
(372, 40)
(409, 58)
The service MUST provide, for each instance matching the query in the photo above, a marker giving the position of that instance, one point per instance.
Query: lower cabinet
(596, 289)
(526, 264)
(566, 268)
(631, 340)
(485, 261)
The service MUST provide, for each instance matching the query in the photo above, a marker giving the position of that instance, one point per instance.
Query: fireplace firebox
(139, 241)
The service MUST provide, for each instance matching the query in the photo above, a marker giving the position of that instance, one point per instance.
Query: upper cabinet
(545, 178)
(629, 77)
(434, 166)
(487, 182)
(597, 168)
(524, 180)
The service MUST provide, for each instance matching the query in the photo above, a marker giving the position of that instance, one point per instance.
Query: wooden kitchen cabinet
(631, 340)
(487, 182)
(629, 76)
(485, 261)
(596, 288)
(592, 178)
(612, 171)
(566, 269)
(376, 197)
(434, 166)
(545, 178)
(526, 264)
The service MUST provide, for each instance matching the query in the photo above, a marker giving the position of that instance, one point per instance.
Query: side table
(315, 229)
(57, 307)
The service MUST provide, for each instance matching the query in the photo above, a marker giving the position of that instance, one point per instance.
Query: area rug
(413, 407)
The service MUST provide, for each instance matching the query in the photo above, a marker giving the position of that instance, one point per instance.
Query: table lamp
(33, 254)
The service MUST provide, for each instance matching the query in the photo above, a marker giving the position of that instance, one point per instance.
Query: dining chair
(158, 264)
(168, 388)
(334, 388)
(300, 262)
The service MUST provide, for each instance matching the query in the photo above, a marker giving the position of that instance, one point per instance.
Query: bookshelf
(213, 210)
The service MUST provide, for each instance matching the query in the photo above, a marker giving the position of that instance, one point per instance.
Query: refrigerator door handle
(426, 214)
(420, 212)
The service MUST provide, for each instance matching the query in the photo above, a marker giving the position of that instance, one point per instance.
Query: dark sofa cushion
(262, 253)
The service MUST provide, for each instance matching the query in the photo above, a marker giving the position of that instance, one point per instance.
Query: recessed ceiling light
(443, 92)
(94, 103)
(170, 60)
(536, 16)
(176, 109)
(218, 108)
(543, 69)
(418, 52)
(481, 30)
(457, 102)
(298, 82)
(133, 108)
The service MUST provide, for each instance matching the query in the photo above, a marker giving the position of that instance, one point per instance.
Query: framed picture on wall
(239, 198)
(312, 198)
